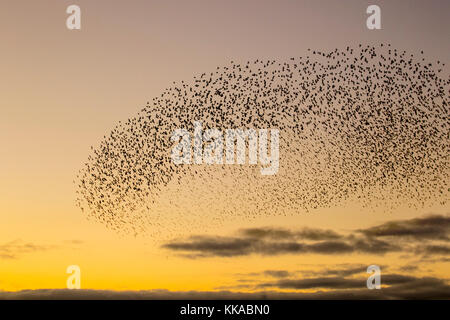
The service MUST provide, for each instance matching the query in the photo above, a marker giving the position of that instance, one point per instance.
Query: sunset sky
(62, 91)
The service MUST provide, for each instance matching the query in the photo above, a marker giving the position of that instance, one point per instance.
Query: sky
(62, 91)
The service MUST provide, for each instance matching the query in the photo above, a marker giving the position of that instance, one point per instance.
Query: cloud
(374, 246)
(277, 273)
(270, 233)
(339, 270)
(331, 247)
(408, 287)
(15, 249)
(429, 227)
(314, 283)
(208, 246)
(394, 286)
(285, 234)
(409, 268)
(393, 236)
(216, 246)
(434, 249)
(74, 242)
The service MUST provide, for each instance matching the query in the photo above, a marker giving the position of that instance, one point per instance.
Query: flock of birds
(367, 124)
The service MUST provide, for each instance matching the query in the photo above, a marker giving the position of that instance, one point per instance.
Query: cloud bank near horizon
(400, 287)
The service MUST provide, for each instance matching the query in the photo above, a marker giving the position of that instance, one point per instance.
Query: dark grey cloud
(395, 279)
(228, 247)
(434, 249)
(214, 246)
(331, 247)
(429, 227)
(393, 236)
(285, 234)
(314, 283)
(409, 268)
(267, 232)
(339, 270)
(206, 246)
(374, 246)
(318, 234)
(408, 287)
(277, 273)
